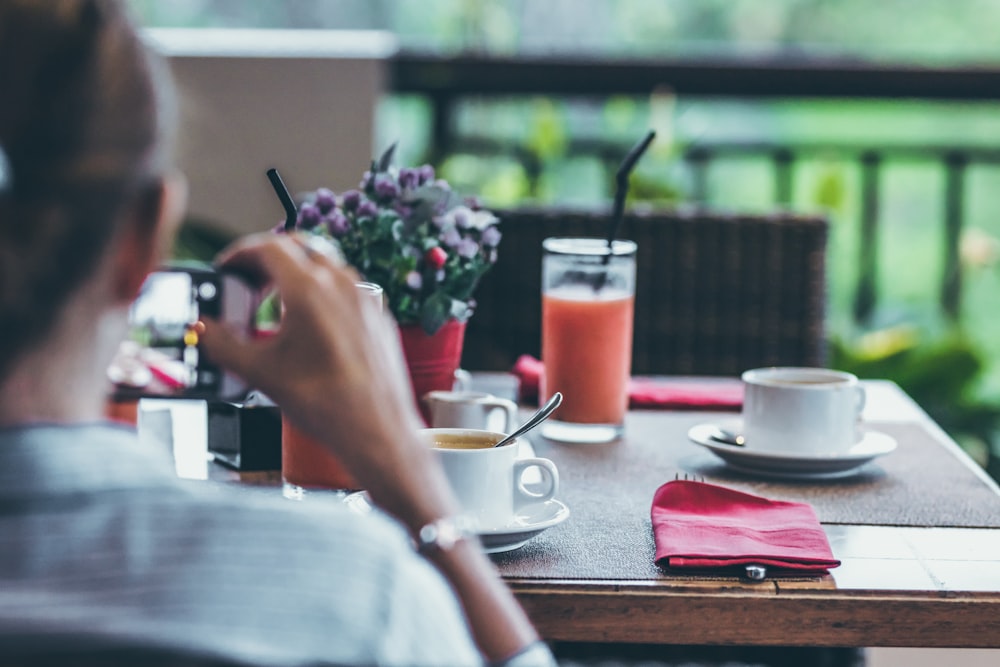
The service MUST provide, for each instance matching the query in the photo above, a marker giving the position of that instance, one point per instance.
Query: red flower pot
(432, 360)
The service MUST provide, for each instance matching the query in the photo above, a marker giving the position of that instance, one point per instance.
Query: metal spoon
(728, 437)
(536, 419)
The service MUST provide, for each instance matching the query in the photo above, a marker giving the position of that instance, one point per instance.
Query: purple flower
(309, 216)
(414, 280)
(450, 237)
(365, 179)
(425, 174)
(412, 251)
(367, 209)
(337, 223)
(279, 228)
(403, 210)
(492, 257)
(408, 178)
(467, 248)
(491, 237)
(351, 200)
(325, 200)
(386, 187)
(439, 276)
(443, 184)
(462, 220)
(473, 203)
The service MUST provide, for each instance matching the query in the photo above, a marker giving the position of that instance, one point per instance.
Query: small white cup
(811, 411)
(471, 409)
(488, 481)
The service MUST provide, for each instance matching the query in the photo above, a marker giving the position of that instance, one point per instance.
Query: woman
(104, 549)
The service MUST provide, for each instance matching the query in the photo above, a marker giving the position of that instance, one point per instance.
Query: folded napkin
(649, 393)
(699, 525)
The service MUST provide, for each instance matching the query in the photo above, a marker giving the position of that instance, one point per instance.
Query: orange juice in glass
(307, 465)
(587, 312)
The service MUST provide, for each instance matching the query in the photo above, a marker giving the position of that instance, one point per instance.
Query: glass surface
(588, 299)
(306, 465)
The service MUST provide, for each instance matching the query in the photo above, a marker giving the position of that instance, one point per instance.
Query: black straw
(621, 188)
(291, 213)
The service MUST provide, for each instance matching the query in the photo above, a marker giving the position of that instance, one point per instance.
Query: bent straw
(291, 213)
(621, 188)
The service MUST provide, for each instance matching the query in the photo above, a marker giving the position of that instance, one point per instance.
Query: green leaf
(382, 253)
(435, 312)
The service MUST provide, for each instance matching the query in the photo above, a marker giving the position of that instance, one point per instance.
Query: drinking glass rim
(573, 245)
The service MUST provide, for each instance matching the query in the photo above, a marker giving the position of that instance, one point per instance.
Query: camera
(161, 356)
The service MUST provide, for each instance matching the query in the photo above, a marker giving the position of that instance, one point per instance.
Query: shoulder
(317, 570)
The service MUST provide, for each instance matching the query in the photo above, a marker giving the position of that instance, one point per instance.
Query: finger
(266, 258)
(319, 249)
(227, 349)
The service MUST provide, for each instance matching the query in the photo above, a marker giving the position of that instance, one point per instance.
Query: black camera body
(162, 357)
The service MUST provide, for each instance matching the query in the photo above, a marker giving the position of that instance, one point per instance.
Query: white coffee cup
(812, 411)
(488, 481)
(471, 409)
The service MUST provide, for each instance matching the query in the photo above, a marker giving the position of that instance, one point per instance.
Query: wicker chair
(715, 293)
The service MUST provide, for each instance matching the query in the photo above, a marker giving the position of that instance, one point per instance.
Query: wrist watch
(443, 534)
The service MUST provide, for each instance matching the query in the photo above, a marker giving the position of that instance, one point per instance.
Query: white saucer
(784, 465)
(530, 521)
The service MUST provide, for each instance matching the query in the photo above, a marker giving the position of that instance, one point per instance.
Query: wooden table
(898, 585)
(928, 585)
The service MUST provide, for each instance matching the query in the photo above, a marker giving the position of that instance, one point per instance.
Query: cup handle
(463, 380)
(550, 478)
(509, 408)
(862, 400)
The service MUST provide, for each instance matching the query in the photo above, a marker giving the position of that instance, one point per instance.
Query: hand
(336, 370)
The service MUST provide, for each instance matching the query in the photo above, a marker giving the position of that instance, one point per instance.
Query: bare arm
(336, 369)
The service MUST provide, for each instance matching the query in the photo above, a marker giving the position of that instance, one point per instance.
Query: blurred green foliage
(199, 240)
(940, 374)
(932, 32)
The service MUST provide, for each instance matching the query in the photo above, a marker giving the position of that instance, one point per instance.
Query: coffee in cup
(489, 481)
(812, 411)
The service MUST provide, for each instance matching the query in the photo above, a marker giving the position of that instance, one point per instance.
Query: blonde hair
(84, 113)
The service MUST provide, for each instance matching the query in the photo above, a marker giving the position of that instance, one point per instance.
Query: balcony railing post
(442, 127)
(954, 218)
(698, 159)
(866, 293)
(783, 176)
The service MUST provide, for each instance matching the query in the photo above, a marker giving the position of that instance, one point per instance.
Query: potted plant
(427, 247)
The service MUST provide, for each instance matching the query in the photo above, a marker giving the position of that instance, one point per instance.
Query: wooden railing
(446, 81)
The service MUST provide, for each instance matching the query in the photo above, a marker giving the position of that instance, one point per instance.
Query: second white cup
(471, 409)
(813, 411)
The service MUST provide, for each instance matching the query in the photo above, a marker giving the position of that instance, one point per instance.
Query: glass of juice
(588, 298)
(307, 465)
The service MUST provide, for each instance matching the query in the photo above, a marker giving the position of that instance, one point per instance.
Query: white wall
(932, 657)
(302, 101)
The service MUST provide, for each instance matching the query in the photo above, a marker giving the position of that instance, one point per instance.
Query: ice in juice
(587, 352)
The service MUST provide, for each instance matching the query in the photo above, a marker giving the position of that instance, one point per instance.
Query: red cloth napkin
(649, 393)
(699, 525)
